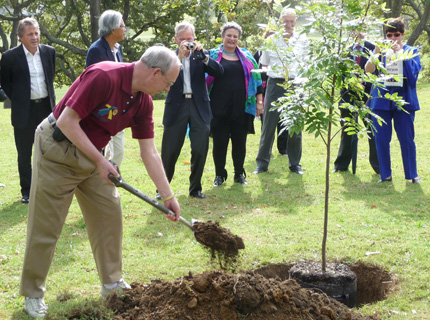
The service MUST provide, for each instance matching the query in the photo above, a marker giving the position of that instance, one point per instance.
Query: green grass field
(279, 215)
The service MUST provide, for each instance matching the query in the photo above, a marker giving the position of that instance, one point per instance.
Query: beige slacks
(60, 170)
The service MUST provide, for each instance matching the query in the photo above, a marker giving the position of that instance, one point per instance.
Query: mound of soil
(217, 295)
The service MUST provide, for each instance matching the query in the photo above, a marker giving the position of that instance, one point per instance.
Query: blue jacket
(100, 51)
(411, 68)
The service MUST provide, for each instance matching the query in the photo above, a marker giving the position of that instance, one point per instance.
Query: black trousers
(173, 141)
(344, 155)
(24, 139)
(221, 134)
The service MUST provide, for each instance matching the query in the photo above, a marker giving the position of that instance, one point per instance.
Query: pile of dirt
(217, 295)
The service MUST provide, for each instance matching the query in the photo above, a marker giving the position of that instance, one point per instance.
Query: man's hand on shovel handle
(173, 205)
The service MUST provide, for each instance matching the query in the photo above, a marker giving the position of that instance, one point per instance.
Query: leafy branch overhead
(72, 25)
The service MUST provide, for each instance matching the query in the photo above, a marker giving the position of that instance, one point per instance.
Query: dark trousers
(221, 134)
(24, 139)
(404, 126)
(344, 155)
(282, 137)
(173, 141)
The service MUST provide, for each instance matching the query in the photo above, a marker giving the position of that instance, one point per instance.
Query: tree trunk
(396, 8)
(95, 15)
(423, 16)
(326, 198)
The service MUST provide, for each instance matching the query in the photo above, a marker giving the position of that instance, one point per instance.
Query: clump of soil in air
(217, 295)
(223, 245)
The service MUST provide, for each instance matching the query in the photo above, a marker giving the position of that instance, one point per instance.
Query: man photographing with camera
(187, 104)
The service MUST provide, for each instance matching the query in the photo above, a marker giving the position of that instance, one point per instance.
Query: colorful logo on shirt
(107, 113)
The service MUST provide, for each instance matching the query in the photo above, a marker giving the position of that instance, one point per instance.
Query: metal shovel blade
(120, 183)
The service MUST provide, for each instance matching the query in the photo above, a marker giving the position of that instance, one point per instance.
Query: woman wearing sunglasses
(403, 119)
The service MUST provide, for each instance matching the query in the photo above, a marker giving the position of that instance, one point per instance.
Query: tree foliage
(72, 25)
(311, 100)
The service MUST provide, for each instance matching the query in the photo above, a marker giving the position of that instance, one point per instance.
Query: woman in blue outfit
(386, 109)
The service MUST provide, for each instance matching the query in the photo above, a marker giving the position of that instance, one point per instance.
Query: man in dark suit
(27, 74)
(187, 105)
(111, 30)
(360, 52)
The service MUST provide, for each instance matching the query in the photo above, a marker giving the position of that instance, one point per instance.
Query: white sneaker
(120, 285)
(35, 307)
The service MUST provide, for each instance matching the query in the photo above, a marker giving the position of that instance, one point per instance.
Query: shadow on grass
(71, 306)
(12, 215)
(385, 196)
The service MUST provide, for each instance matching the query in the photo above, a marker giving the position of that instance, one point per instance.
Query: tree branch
(62, 43)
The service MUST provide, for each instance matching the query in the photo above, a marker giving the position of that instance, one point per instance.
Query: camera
(189, 45)
(199, 55)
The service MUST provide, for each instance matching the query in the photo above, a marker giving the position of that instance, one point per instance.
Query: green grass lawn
(279, 215)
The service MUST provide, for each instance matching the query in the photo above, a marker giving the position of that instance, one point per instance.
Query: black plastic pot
(338, 282)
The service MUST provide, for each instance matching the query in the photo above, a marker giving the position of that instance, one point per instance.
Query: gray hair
(183, 26)
(108, 21)
(159, 56)
(231, 25)
(288, 12)
(27, 22)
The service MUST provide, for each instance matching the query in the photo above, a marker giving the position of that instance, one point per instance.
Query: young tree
(311, 100)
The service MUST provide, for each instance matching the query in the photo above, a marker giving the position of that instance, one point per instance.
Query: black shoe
(260, 169)
(25, 198)
(157, 196)
(240, 179)
(297, 169)
(197, 194)
(339, 170)
(416, 180)
(389, 179)
(218, 181)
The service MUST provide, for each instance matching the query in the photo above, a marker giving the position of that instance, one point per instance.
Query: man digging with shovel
(104, 100)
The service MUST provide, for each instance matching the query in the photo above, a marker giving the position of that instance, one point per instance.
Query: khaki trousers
(60, 171)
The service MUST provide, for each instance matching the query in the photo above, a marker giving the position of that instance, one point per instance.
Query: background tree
(72, 25)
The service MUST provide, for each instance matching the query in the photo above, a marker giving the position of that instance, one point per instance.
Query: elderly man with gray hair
(274, 90)
(111, 30)
(106, 98)
(187, 105)
(27, 76)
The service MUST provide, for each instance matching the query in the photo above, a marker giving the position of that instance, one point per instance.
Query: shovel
(208, 234)
(120, 183)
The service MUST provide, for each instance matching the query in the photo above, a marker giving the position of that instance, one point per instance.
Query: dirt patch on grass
(216, 295)
(374, 283)
(261, 294)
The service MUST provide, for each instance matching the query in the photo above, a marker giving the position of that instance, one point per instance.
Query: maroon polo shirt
(103, 99)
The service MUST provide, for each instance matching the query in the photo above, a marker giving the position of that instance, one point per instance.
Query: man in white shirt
(27, 75)
(187, 106)
(276, 77)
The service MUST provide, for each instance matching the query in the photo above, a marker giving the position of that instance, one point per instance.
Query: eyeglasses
(168, 82)
(395, 35)
(123, 26)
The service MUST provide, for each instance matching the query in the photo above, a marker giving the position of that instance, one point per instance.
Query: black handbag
(3, 95)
